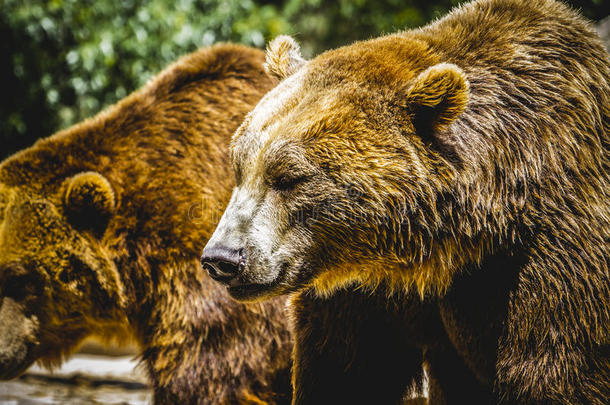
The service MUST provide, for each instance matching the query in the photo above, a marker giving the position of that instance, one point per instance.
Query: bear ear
(283, 57)
(89, 201)
(437, 97)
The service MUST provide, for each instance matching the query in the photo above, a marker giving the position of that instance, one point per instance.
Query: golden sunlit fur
(465, 164)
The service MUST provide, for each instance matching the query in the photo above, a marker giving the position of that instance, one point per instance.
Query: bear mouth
(250, 292)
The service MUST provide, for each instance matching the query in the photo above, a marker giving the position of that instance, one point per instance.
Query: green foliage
(327, 24)
(64, 60)
(324, 24)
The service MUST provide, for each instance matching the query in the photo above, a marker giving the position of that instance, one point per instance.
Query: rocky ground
(603, 28)
(85, 379)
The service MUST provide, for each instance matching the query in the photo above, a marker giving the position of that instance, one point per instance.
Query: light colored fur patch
(275, 103)
(260, 123)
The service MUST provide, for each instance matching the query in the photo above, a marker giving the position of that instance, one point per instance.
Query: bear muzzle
(17, 338)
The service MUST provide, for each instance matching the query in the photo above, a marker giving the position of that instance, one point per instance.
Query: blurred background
(64, 60)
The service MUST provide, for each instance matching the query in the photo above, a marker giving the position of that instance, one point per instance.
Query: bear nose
(222, 263)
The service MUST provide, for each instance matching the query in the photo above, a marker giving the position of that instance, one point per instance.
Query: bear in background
(101, 226)
(457, 178)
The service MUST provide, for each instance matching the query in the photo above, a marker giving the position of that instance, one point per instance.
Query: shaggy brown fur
(466, 162)
(101, 226)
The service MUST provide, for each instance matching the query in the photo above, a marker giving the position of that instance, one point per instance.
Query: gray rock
(603, 28)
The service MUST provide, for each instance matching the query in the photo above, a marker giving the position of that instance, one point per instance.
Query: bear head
(343, 172)
(58, 283)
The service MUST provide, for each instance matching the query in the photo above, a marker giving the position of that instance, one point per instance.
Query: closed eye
(287, 183)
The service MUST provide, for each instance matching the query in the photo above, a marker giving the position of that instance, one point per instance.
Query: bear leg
(348, 350)
(450, 381)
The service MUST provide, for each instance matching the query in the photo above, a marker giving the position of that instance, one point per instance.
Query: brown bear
(100, 233)
(436, 196)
